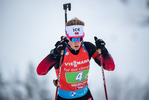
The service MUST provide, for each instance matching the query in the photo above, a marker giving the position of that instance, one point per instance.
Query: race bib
(74, 77)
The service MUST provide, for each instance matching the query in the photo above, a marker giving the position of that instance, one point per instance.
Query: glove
(59, 46)
(100, 44)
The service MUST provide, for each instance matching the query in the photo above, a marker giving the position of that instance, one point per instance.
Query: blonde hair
(75, 21)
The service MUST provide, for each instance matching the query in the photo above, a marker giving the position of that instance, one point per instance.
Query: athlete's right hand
(59, 46)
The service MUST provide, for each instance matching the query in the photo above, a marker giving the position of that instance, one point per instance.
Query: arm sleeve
(45, 65)
(108, 62)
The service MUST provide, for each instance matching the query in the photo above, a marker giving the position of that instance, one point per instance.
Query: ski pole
(104, 81)
(60, 65)
(64, 39)
(65, 6)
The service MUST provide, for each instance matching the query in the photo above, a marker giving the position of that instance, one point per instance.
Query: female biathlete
(73, 81)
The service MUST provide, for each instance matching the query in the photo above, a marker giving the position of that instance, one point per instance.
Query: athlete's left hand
(100, 44)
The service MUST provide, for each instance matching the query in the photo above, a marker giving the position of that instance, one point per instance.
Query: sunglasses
(75, 39)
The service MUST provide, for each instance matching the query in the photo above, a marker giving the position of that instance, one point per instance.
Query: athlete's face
(75, 45)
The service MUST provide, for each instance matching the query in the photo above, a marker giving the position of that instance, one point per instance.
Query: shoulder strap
(65, 51)
(84, 47)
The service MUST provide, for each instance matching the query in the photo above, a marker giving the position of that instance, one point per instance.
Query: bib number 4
(79, 77)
